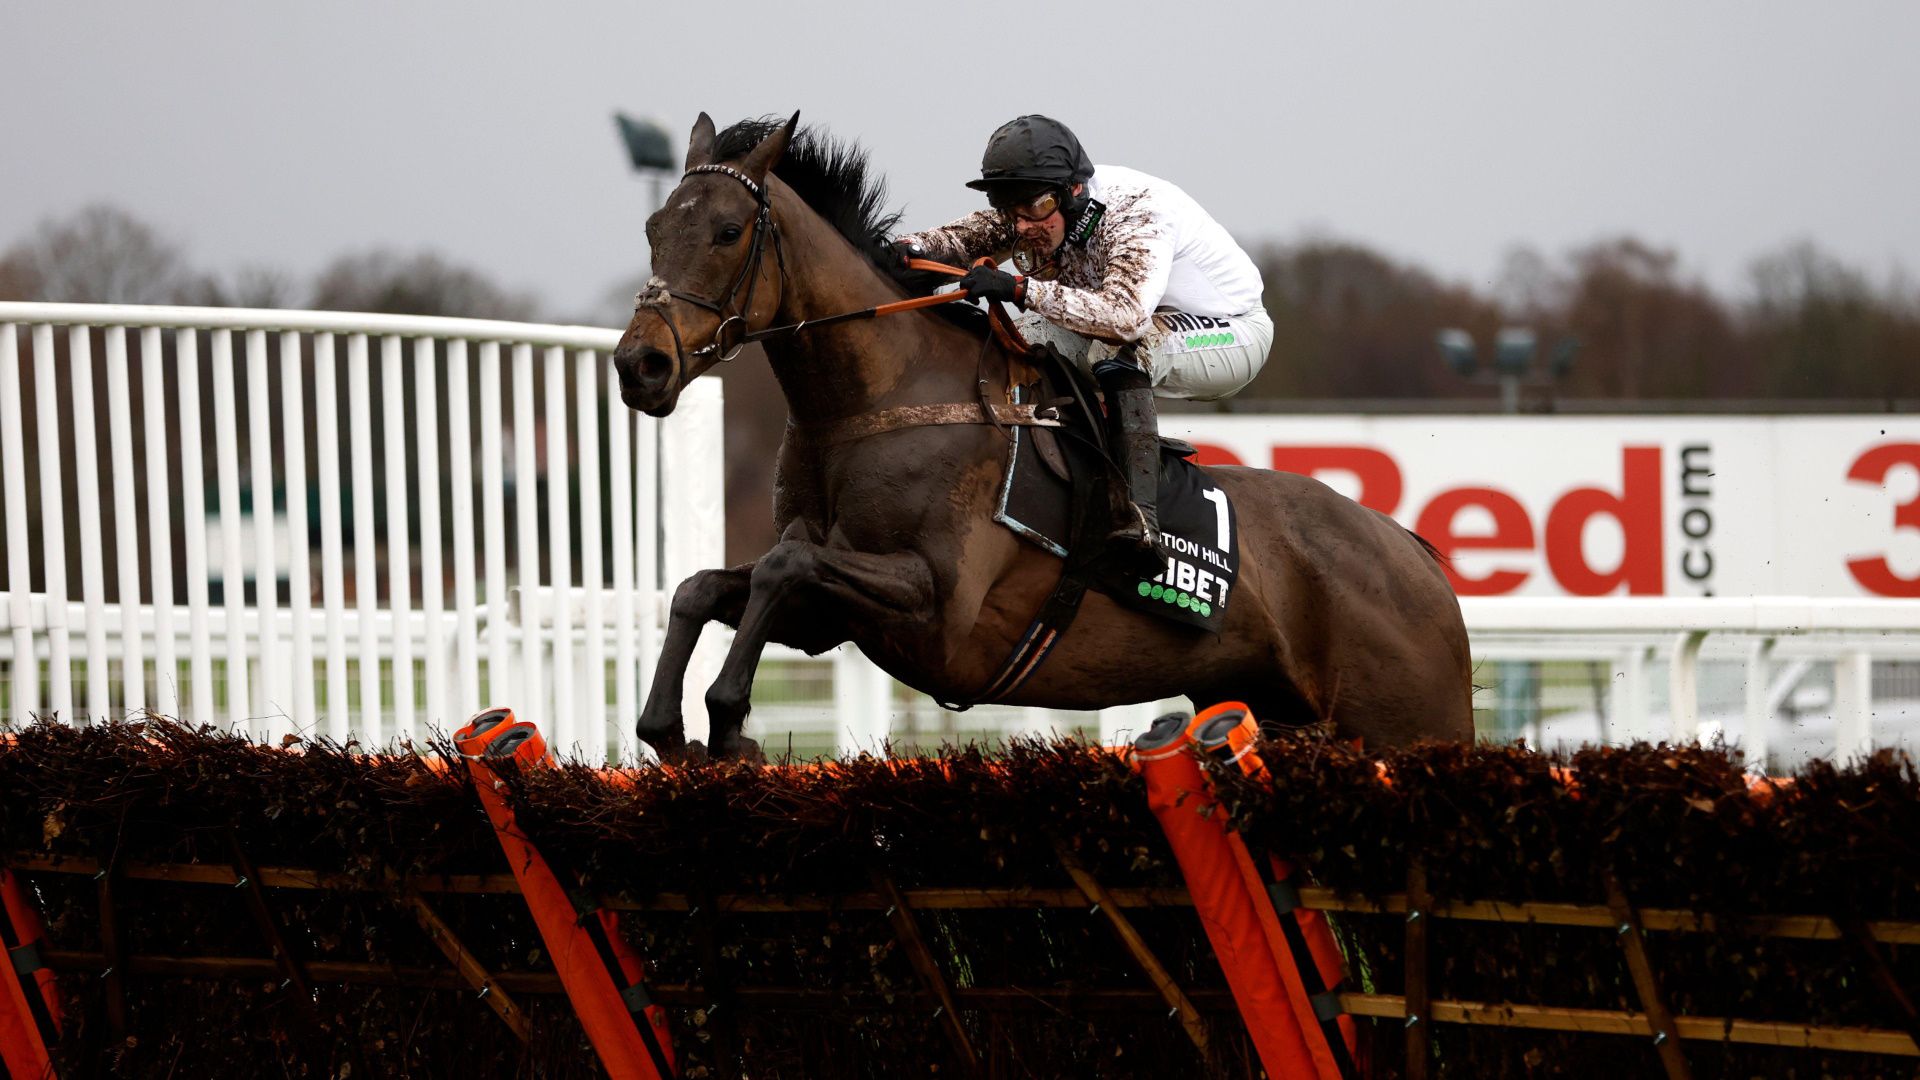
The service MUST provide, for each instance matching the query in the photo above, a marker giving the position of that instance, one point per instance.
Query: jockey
(1122, 272)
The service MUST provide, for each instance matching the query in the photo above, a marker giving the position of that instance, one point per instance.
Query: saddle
(1056, 493)
(1057, 488)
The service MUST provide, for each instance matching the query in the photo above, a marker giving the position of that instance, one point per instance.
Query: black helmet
(1032, 153)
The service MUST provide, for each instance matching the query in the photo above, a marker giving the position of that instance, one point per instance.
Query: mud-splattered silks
(1154, 247)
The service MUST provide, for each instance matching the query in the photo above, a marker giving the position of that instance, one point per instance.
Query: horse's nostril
(654, 366)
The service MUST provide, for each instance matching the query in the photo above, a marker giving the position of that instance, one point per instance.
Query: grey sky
(1443, 133)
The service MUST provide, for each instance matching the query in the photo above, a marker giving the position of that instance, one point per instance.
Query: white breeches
(1203, 357)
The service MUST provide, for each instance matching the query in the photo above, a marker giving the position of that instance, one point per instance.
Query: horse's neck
(861, 365)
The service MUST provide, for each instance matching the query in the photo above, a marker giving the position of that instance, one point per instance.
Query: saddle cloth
(1197, 522)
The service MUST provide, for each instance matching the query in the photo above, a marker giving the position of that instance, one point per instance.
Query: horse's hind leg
(702, 598)
(841, 588)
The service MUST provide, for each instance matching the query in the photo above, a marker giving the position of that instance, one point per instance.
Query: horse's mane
(835, 179)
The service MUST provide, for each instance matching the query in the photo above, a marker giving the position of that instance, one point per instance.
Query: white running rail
(1615, 647)
(199, 594)
(1775, 640)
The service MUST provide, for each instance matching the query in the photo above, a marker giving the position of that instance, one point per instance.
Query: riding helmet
(1032, 153)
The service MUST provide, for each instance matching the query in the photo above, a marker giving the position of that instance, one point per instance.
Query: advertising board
(1619, 505)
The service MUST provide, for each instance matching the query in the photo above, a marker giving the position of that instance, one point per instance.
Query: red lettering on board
(1874, 573)
(1636, 508)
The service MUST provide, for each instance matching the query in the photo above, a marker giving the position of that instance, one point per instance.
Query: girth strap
(905, 416)
(1062, 605)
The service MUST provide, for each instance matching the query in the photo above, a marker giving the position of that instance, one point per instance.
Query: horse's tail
(1426, 545)
(1440, 559)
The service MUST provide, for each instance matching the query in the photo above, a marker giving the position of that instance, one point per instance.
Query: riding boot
(1135, 542)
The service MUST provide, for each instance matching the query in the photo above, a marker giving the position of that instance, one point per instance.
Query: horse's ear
(700, 143)
(765, 156)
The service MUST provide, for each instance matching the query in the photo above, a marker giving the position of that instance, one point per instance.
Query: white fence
(200, 598)
(1786, 678)
(427, 472)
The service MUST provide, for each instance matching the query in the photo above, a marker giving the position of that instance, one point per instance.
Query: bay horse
(1340, 615)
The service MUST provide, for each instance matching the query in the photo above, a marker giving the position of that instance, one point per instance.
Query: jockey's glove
(993, 283)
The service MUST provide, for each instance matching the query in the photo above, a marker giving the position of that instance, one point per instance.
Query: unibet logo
(1175, 596)
(1208, 341)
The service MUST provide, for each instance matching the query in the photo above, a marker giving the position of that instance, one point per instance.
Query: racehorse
(888, 540)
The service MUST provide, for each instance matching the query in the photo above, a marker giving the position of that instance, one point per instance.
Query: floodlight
(1513, 350)
(1457, 347)
(648, 145)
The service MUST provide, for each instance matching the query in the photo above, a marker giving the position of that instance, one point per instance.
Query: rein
(913, 304)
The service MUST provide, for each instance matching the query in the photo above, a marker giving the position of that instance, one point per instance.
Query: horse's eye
(729, 234)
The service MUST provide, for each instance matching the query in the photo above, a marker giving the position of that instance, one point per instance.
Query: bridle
(656, 297)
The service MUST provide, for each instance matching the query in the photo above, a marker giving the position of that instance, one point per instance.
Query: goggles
(1039, 208)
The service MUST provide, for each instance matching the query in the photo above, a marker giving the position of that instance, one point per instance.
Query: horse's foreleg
(702, 598)
(845, 588)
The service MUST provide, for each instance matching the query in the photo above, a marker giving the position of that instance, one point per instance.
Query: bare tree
(18, 281)
(249, 287)
(1648, 328)
(100, 255)
(1529, 286)
(1821, 328)
(1351, 322)
(422, 284)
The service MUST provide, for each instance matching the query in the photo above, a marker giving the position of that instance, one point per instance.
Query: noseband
(658, 296)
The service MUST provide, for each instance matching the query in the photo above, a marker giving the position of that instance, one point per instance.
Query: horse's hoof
(740, 748)
(685, 755)
(668, 745)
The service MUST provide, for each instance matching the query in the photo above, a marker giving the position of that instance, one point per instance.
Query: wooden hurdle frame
(465, 975)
